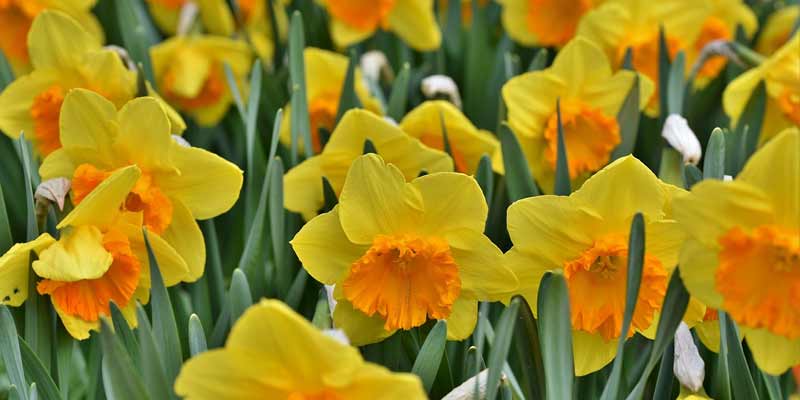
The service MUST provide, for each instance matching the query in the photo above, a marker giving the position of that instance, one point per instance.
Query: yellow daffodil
(16, 17)
(585, 238)
(467, 143)
(267, 357)
(100, 257)
(401, 253)
(412, 20)
(257, 23)
(177, 184)
(781, 73)
(742, 254)
(64, 56)
(544, 23)
(325, 74)
(591, 96)
(190, 74)
(778, 29)
(617, 25)
(215, 15)
(707, 330)
(723, 16)
(303, 183)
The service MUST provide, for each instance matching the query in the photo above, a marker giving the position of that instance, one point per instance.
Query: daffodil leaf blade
(691, 176)
(714, 162)
(124, 332)
(539, 61)
(138, 33)
(10, 352)
(30, 182)
(752, 119)
(526, 342)
(300, 122)
(197, 336)
(37, 374)
(429, 357)
(295, 292)
(240, 296)
(563, 185)
(771, 386)
(675, 85)
(485, 178)
(741, 380)
(664, 64)
(277, 228)
(6, 240)
(628, 121)
(399, 95)
(349, 99)
(121, 380)
(555, 336)
(666, 376)
(150, 361)
(519, 181)
(6, 73)
(500, 347)
(214, 276)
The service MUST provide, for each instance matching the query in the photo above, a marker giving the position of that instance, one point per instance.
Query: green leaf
(539, 61)
(430, 354)
(527, 342)
(628, 121)
(349, 99)
(165, 328)
(627, 59)
(251, 261)
(555, 336)
(240, 296)
(322, 312)
(230, 79)
(675, 85)
(772, 386)
(197, 337)
(6, 240)
(485, 178)
(295, 294)
(752, 119)
(25, 156)
(329, 195)
(636, 241)
(399, 95)
(277, 228)
(663, 73)
(256, 162)
(138, 33)
(123, 331)
(6, 73)
(299, 118)
(741, 380)
(121, 380)
(10, 352)
(150, 362)
(216, 282)
(452, 29)
(519, 180)
(65, 366)
(563, 185)
(665, 377)
(691, 175)
(714, 162)
(500, 347)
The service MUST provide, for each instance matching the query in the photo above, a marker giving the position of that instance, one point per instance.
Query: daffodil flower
(467, 143)
(617, 25)
(778, 29)
(585, 237)
(303, 183)
(190, 73)
(544, 23)
(781, 75)
(16, 17)
(64, 56)
(99, 258)
(590, 95)
(355, 20)
(742, 254)
(325, 74)
(401, 253)
(258, 24)
(177, 183)
(267, 357)
(215, 15)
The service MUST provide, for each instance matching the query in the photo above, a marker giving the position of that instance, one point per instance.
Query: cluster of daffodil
(426, 224)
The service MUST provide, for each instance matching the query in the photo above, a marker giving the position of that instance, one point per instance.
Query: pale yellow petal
(302, 188)
(773, 354)
(76, 327)
(57, 164)
(708, 333)
(529, 270)
(86, 128)
(360, 328)
(373, 382)
(14, 267)
(581, 63)
(414, 22)
(77, 255)
(515, 21)
(483, 274)
(531, 100)
(663, 240)
(345, 35)
(56, 40)
(144, 134)
(172, 266)
(698, 265)
(101, 206)
(229, 374)
(461, 321)
(452, 202)
(591, 352)
(16, 101)
(184, 235)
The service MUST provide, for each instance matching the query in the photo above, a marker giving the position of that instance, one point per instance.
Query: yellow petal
(452, 202)
(101, 206)
(166, 18)
(233, 374)
(185, 237)
(708, 333)
(103, 71)
(344, 35)
(375, 382)
(56, 40)
(177, 123)
(323, 248)
(56, 164)
(663, 239)
(591, 352)
(698, 264)
(515, 21)
(216, 17)
(582, 63)
(462, 319)
(172, 266)
(480, 266)
(76, 327)
(302, 188)
(529, 270)
(777, 28)
(773, 354)
(78, 255)
(359, 328)
(609, 95)
(414, 22)
(738, 93)
(531, 99)
(194, 68)
(14, 267)
(17, 98)
(376, 200)
(85, 127)
(144, 134)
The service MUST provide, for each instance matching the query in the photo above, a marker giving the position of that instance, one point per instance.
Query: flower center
(589, 136)
(713, 29)
(789, 103)
(213, 88)
(322, 114)
(597, 280)
(554, 21)
(145, 196)
(45, 111)
(405, 279)
(364, 15)
(759, 278)
(90, 298)
(15, 21)
(325, 394)
(436, 141)
(644, 53)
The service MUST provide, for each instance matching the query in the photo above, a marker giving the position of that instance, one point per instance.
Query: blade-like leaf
(714, 163)
(430, 354)
(6, 241)
(124, 333)
(399, 95)
(349, 98)
(240, 296)
(519, 180)
(121, 380)
(675, 84)
(152, 366)
(500, 347)
(10, 352)
(197, 337)
(628, 121)
(563, 185)
(555, 336)
(741, 380)
(485, 178)
(297, 73)
(539, 61)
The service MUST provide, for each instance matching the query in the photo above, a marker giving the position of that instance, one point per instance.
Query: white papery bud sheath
(372, 63)
(331, 300)
(181, 141)
(186, 18)
(55, 190)
(436, 85)
(466, 391)
(688, 367)
(680, 136)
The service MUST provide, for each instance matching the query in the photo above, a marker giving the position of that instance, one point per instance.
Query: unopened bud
(55, 190)
(186, 18)
(688, 367)
(123, 54)
(680, 136)
(441, 85)
(467, 389)
(331, 300)
(373, 63)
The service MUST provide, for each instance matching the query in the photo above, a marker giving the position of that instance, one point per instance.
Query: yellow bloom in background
(190, 74)
(778, 29)
(720, 24)
(401, 253)
(325, 74)
(617, 25)
(467, 143)
(215, 15)
(177, 183)
(742, 254)
(17, 16)
(585, 238)
(544, 23)
(267, 357)
(591, 96)
(413, 21)
(303, 183)
(258, 25)
(781, 73)
(100, 257)
(64, 56)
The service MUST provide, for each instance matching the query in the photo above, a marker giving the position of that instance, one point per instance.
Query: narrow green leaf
(500, 347)
(452, 29)
(124, 332)
(527, 347)
(721, 384)
(663, 73)
(772, 386)
(322, 312)
(753, 118)
(240, 296)
(299, 118)
(399, 95)
(6, 73)
(138, 33)
(295, 294)
(230, 79)
(216, 282)
(65, 351)
(555, 336)
(665, 377)
(32, 226)
(256, 163)
(197, 337)
(254, 253)
(10, 352)
(150, 362)
(691, 175)
(539, 61)
(741, 380)
(714, 162)
(675, 85)
(628, 121)
(430, 354)
(519, 181)
(627, 59)
(6, 241)
(563, 185)
(349, 99)
(485, 178)
(33, 392)
(277, 228)
(121, 380)
(165, 328)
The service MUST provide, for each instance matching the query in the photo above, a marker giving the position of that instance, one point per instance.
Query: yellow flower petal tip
(387, 235)
(337, 370)
(543, 23)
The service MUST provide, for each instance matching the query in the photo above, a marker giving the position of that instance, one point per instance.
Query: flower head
(267, 356)
(585, 237)
(401, 253)
(544, 22)
(215, 15)
(743, 250)
(591, 96)
(778, 29)
(303, 183)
